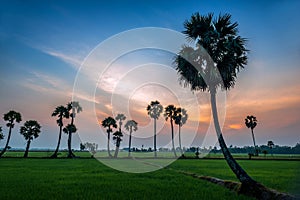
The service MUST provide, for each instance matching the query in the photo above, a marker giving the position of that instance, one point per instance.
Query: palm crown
(251, 122)
(12, 116)
(181, 116)
(30, 130)
(131, 125)
(75, 107)
(154, 109)
(61, 112)
(108, 122)
(120, 118)
(170, 112)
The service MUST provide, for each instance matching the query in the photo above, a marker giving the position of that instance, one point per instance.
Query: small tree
(82, 147)
(30, 130)
(265, 152)
(271, 145)
(117, 136)
(251, 123)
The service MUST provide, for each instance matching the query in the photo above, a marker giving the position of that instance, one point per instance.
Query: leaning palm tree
(1, 134)
(30, 130)
(117, 136)
(109, 123)
(62, 112)
(73, 108)
(11, 117)
(251, 122)
(130, 126)
(180, 119)
(217, 69)
(154, 110)
(170, 113)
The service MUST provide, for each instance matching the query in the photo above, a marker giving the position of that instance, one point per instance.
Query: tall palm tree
(227, 54)
(120, 118)
(130, 126)
(251, 122)
(271, 145)
(117, 136)
(11, 117)
(69, 129)
(170, 113)
(73, 108)
(30, 130)
(62, 112)
(154, 110)
(180, 119)
(109, 123)
(1, 134)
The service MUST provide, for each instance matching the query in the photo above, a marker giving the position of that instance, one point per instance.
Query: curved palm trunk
(155, 150)
(256, 150)
(108, 140)
(179, 129)
(235, 167)
(129, 150)
(54, 155)
(7, 142)
(172, 130)
(27, 149)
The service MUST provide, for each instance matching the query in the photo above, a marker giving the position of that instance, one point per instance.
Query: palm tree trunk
(7, 142)
(255, 148)
(155, 150)
(54, 155)
(108, 140)
(172, 130)
(70, 153)
(179, 128)
(27, 149)
(117, 149)
(235, 167)
(129, 150)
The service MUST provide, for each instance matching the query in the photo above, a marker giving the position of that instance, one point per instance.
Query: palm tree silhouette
(73, 108)
(61, 112)
(251, 122)
(227, 54)
(154, 111)
(120, 118)
(11, 117)
(117, 136)
(30, 130)
(271, 145)
(170, 113)
(130, 126)
(180, 119)
(109, 123)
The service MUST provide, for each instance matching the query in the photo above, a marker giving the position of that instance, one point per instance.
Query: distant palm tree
(1, 134)
(180, 119)
(62, 112)
(154, 111)
(73, 108)
(170, 113)
(271, 145)
(30, 130)
(109, 123)
(130, 126)
(219, 39)
(120, 118)
(11, 117)
(117, 136)
(251, 122)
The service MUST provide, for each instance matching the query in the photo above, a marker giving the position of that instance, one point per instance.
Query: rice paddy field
(87, 178)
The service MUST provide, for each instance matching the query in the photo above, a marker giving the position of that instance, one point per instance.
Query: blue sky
(43, 43)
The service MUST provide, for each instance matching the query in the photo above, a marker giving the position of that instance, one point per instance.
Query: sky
(45, 46)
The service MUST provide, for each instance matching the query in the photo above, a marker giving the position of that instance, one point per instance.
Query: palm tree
(11, 117)
(180, 119)
(251, 122)
(30, 130)
(271, 145)
(120, 118)
(130, 126)
(61, 112)
(154, 111)
(73, 108)
(1, 134)
(117, 136)
(217, 69)
(171, 112)
(109, 123)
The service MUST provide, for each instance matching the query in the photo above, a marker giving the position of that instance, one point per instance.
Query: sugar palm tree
(154, 110)
(61, 112)
(130, 126)
(73, 108)
(109, 123)
(30, 130)
(117, 136)
(170, 113)
(1, 134)
(120, 118)
(271, 145)
(217, 69)
(11, 117)
(180, 119)
(251, 122)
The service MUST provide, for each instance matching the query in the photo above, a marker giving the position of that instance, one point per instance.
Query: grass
(89, 179)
